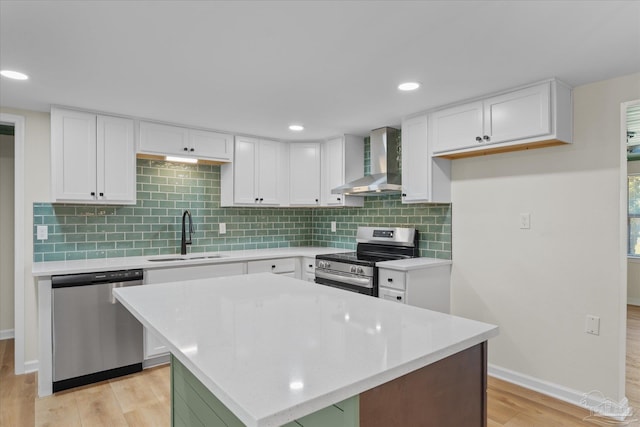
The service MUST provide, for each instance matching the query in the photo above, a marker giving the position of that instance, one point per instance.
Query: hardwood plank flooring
(143, 399)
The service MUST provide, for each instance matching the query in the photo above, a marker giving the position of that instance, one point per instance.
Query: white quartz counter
(49, 268)
(413, 263)
(274, 349)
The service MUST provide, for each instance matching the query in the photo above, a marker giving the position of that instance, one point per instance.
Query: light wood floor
(143, 399)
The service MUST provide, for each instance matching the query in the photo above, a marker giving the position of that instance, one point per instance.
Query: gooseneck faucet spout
(184, 241)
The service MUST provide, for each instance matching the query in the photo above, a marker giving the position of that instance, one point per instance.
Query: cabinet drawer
(284, 265)
(392, 295)
(391, 279)
(163, 275)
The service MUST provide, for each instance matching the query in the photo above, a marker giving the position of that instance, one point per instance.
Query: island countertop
(274, 349)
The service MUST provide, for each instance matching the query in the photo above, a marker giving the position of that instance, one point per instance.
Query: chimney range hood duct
(385, 169)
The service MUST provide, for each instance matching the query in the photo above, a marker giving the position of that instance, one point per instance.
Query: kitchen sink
(186, 258)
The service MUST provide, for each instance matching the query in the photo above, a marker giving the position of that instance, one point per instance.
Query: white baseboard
(7, 334)
(30, 366)
(633, 301)
(593, 400)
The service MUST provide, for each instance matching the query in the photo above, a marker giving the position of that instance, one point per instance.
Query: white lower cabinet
(154, 350)
(308, 269)
(427, 287)
(284, 266)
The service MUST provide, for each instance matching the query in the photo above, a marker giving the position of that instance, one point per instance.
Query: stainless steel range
(357, 271)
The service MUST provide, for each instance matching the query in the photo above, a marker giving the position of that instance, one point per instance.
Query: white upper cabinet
(424, 178)
(92, 158)
(257, 175)
(342, 161)
(161, 139)
(534, 116)
(304, 173)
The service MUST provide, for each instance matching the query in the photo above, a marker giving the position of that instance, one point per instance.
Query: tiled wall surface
(433, 222)
(153, 225)
(165, 190)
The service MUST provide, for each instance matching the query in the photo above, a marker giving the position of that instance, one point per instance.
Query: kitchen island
(265, 350)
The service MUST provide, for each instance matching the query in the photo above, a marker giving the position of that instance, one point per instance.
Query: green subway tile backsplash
(165, 190)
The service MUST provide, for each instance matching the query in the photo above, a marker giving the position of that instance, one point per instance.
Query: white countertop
(413, 263)
(50, 268)
(274, 349)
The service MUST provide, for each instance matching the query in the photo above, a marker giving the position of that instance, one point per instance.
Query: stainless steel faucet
(184, 241)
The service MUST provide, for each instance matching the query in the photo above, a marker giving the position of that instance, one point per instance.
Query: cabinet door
(245, 171)
(210, 145)
(304, 173)
(163, 139)
(73, 154)
(116, 165)
(416, 161)
(457, 127)
(269, 164)
(521, 114)
(332, 171)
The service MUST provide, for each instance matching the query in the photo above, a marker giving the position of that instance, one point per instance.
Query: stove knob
(327, 264)
(353, 269)
(321, 264)
(360, 270)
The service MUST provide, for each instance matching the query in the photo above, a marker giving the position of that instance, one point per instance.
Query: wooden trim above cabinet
(501, 149)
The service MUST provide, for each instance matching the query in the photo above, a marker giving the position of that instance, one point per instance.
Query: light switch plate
(42, 232)
(525, 221)
(592, 325)
(222, 228)
(333, 226)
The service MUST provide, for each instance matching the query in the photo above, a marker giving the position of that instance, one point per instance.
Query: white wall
(539, 284)
(633, 264)
(6, 232)
(36, 189)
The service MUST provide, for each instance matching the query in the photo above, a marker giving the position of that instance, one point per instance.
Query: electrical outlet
(525, 221)
(222, 228)
(333, 226)
(592, 325)
(42, 232)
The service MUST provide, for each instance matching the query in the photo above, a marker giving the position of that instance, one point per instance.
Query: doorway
(7, 184)
(631, 172)
(18, 124)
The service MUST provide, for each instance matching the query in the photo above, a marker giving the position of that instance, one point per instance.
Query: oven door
(359, 284)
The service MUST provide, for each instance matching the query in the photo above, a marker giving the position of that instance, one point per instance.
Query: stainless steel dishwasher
(94, 337)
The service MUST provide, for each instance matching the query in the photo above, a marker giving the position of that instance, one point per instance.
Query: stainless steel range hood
(385, 167)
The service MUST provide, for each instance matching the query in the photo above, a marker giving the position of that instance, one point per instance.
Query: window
(633, 217)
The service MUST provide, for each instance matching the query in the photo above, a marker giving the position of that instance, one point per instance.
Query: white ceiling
(255, 67)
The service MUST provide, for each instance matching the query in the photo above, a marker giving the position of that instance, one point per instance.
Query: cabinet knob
(486, 137)
(261, 199)
(257, 199)
(192, 150)
(273, 266)
(317, 200)
(93, 193)
(389, 280)
(339, 199)
(101, 194)
(478, 139)
(404, 194)
(399, 298)
(186, 149)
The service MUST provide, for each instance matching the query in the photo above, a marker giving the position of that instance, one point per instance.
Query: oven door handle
(363, 282)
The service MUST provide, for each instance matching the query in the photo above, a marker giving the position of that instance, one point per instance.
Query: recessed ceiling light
(409, 86)
(14, 75)
(296, 128)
